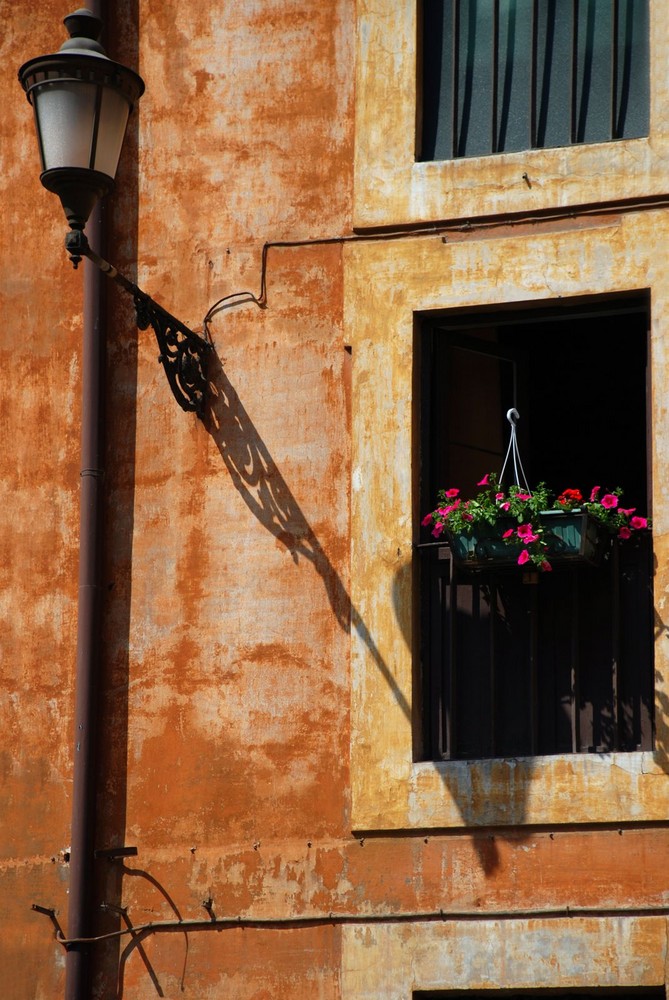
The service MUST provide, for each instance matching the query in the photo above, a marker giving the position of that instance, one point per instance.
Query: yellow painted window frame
(386, 284)
(391, 188)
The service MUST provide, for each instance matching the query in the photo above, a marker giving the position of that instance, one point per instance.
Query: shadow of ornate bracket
(183, 354)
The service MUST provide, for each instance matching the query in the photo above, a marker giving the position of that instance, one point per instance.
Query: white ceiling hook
(513, 416)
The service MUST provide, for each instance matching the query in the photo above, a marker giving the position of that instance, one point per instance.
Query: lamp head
(82, 101)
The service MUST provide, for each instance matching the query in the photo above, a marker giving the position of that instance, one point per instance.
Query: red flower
(638, 523)
(570, 497)
(610, 501)
(484, 481)
(426, 520)
(624, 533)
(523, 557)
(451, 493)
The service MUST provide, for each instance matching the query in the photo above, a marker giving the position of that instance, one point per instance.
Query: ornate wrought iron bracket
(183, 354)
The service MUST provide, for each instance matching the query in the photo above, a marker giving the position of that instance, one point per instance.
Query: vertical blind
(506, 75)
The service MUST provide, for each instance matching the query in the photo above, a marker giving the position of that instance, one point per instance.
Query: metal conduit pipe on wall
(80, 910)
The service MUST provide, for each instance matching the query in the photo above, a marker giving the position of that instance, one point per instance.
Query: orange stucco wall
(225, 688)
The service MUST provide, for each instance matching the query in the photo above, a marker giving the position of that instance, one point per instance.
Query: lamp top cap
(81, 50)
(85, 29)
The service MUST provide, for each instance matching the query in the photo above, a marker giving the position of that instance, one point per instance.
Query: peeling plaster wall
(226, 682)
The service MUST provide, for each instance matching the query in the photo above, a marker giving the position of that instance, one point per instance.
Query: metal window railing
(515, 666)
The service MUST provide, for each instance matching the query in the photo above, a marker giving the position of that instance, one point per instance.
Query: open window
(511, 663)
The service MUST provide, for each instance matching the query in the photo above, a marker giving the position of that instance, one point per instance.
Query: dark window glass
(506, 75)
(554, 76)
(522, 664)
(513, 118)
(603, 993)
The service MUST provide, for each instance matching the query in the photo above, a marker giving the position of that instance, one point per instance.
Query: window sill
(532, 791)
(612, 787)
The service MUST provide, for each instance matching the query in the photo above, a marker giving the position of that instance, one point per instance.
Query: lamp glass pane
(113, 120)
(65, 114)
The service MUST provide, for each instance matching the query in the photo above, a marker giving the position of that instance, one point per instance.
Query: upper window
(508, 75)
(468, 109)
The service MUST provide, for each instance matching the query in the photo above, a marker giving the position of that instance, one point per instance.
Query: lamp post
(82, 101)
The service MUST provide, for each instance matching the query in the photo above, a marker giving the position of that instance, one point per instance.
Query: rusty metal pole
(88, 632)
(80, 909)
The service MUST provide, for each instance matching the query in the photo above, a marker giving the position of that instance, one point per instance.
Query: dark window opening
(601, 993)
(516, 664)
(506, 75)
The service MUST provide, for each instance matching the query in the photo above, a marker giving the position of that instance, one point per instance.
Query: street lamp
(82, 101)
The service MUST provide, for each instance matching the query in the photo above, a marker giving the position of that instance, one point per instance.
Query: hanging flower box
(498, 528)
(514, 527)
(569, 537)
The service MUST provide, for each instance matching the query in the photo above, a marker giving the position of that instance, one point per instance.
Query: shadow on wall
(660, 631)
(268, 497)
(138, 935)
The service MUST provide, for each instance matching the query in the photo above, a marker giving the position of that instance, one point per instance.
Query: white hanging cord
(513, 416)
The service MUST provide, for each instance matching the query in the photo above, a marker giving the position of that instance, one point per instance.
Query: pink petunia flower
(609, 500)
(546, 566)
(426, 520)
(451, 493)
(437, 530)
(499, 496)
(595, 491)
(467, 517)
(628, 511)
(484, 481)
(624, 532)
(523, 557)
(505, 506)
(445, 511)
(527, 534)
(639, 523)
(507, 534)
(523, 496)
